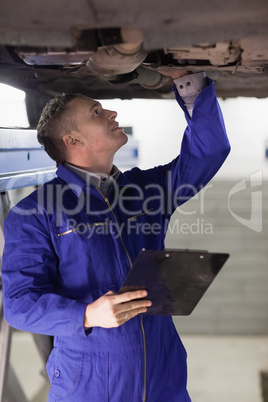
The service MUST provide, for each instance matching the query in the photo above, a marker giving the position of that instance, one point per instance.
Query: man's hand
(173, 73)
(112, 309)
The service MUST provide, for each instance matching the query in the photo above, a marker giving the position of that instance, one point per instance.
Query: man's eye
(96, 111)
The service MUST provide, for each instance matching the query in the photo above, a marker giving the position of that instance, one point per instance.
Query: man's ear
(71, 141)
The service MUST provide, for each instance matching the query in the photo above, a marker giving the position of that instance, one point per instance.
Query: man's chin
(124, 139)
(122, 143)
(126, 136)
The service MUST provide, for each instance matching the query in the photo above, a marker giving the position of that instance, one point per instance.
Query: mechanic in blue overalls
(70, 244)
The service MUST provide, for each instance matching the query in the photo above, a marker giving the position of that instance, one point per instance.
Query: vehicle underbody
(117, 49)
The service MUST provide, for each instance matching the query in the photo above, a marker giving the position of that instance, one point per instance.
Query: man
(70, 244)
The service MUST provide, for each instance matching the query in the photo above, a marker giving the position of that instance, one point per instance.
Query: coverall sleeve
(29, 271)
(204, 148)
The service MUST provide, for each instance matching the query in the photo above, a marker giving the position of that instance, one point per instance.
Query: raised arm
(204, 147)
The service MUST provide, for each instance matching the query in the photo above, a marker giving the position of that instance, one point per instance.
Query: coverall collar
(78, 183)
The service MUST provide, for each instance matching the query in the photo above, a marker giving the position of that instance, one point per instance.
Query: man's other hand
(113, 309)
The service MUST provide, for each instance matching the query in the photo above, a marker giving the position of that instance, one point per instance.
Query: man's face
(97, 128)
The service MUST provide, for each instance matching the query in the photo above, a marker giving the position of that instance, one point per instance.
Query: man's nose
(112, 114)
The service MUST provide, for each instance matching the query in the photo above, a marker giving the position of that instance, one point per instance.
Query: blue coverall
(67, 245)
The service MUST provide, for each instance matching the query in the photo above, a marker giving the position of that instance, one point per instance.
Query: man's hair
(55, 122)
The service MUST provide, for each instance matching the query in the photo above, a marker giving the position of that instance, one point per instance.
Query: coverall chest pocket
(89, 255)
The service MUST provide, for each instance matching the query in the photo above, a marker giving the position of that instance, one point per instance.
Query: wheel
(35, 103)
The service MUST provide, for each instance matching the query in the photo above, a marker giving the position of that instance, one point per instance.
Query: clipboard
(175, 280)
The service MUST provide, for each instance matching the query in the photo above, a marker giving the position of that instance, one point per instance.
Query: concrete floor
(221, 369)
(226, 369)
